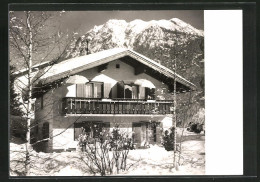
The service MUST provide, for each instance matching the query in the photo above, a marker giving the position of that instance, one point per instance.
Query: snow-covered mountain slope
(119, 33)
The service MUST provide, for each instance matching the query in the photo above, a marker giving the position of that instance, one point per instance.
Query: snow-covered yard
(152, 161)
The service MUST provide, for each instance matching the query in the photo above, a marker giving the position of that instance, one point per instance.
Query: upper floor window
(132, 91)
(149, 93)
(90, 90)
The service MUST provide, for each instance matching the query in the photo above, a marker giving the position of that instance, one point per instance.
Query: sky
(83, 21)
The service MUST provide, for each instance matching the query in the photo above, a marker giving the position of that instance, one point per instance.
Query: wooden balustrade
(75, 105)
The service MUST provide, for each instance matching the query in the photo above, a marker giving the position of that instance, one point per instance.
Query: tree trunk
(174, 118)
(29, 104)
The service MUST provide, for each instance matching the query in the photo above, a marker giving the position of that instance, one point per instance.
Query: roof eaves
(162, 69)
(123, 52)
(83, 67)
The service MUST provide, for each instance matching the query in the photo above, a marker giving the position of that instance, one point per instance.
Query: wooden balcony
(75, 105)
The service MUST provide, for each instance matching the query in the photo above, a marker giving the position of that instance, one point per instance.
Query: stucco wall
(66, 139)
(113, 75)
(43, 115)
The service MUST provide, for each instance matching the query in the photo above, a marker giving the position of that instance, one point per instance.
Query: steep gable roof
(78, 64)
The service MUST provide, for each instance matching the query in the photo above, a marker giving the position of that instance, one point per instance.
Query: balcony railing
(75, 105)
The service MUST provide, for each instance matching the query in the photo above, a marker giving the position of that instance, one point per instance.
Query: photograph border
(249, 80)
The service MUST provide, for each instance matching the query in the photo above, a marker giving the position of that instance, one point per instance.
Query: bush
(107, 153)
(18, 127)
(195, 127)
(168, 139)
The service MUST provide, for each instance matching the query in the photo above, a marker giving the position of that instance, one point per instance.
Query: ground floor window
(45, 130)
(147, 132)
(92, 128)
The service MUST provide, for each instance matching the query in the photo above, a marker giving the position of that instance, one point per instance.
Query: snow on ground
(152, 161)
(157, 161)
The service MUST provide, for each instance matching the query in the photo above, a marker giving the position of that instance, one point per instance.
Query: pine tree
(15, 104)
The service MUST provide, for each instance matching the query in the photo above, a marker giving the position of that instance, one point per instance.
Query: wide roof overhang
(75, 65)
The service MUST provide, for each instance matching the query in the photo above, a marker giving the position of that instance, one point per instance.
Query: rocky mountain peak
(119, 33)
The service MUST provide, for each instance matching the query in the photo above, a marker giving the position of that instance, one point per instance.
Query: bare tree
(182, 51)
(174, 118)
(32, 40)
(189, 108)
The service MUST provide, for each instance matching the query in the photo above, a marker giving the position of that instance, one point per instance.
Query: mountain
(163, 41)
(119, 33)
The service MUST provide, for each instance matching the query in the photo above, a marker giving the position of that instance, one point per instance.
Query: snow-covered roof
(78, 64)
(34, 67)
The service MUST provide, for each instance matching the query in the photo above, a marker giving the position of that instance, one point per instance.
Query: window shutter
(81, 92)
(120, 89)
(147, 93)
(141, 92)
(152, 93)
(107, 89)
(98, 89)
(134, 92)
(77, 132)
(113, 93)
(89, 90)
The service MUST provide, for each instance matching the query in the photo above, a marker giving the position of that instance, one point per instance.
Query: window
(97, 92)
(118, 66)
(141, 92)
(133, 91)
(45, 130)
(92, 129)
(90, 90)
(149, 93)
(127, 90)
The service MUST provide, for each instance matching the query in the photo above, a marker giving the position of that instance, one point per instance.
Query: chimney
(88, 40)
(87, 48)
